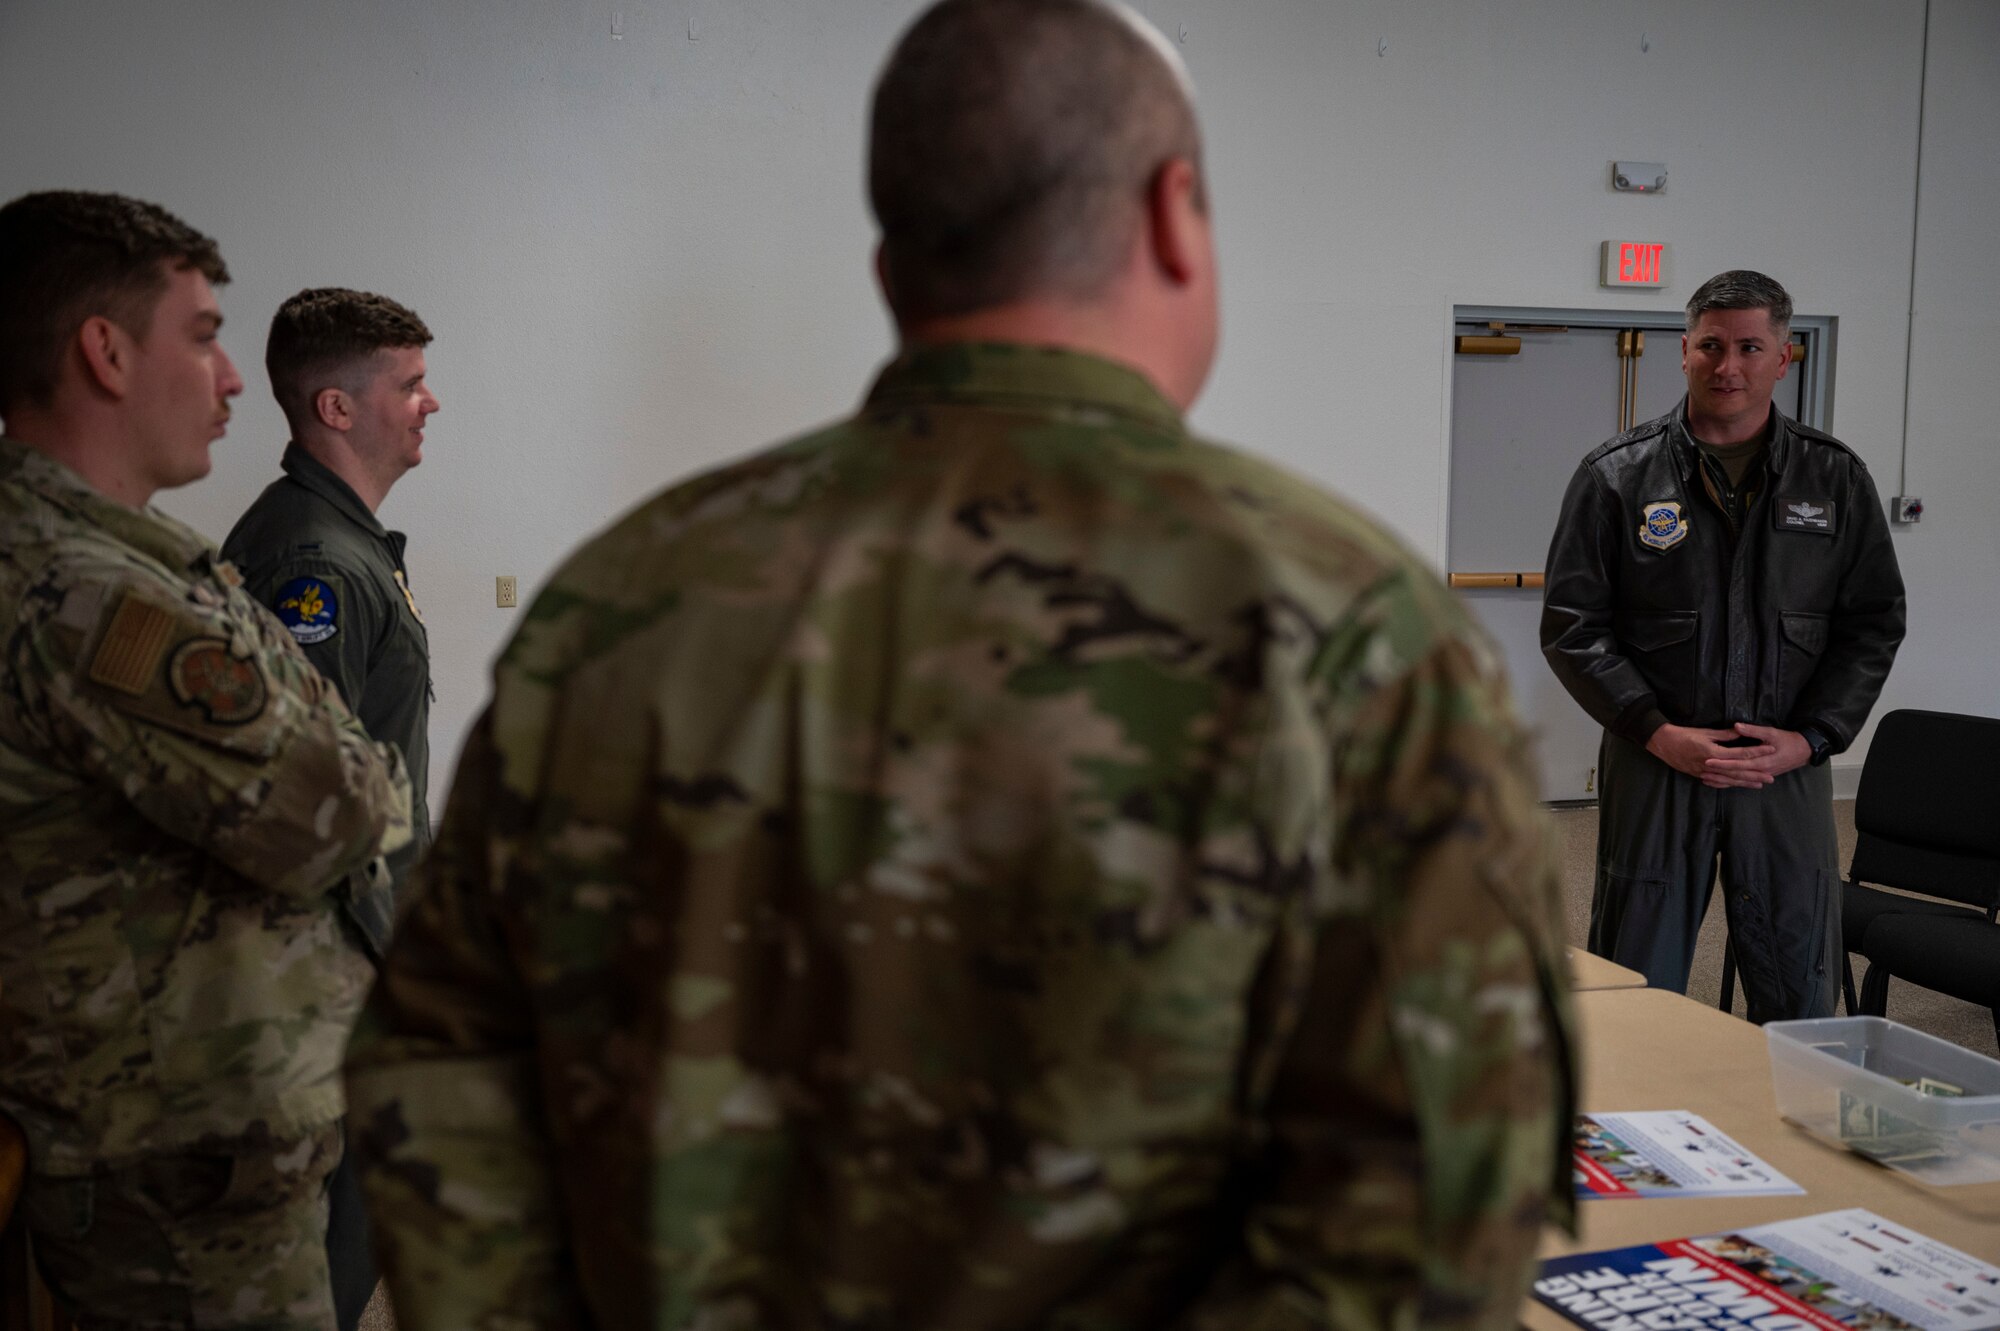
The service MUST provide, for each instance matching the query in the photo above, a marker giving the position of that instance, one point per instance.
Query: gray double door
(1520, 424)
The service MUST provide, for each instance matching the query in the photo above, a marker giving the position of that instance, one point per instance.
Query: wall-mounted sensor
(1639, 177)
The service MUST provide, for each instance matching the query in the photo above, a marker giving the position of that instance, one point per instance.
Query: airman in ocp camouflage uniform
(348, 369)
(187, 805)
(998, 862)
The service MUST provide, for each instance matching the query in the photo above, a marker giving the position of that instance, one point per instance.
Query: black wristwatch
(1822, 749)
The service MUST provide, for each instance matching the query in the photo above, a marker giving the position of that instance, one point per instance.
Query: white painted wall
(1951, 661)
(645, 255)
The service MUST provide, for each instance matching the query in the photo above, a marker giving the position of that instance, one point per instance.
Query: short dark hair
(1010, 148)
(70, 255)
(323, 331)
(1741, 289)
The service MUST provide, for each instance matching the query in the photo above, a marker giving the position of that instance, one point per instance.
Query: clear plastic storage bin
(1908, 1100)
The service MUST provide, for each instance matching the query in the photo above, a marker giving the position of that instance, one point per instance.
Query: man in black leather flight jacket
(1728, 609)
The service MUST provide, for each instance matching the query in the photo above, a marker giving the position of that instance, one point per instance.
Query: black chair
(1927, 818)
(1956, 957)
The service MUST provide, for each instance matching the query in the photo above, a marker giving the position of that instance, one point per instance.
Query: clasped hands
(1702, 753)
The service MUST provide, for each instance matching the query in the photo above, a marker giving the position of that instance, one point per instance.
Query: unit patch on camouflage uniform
(308, 607)
(230, 690)
(132, 646)
(1662, 526)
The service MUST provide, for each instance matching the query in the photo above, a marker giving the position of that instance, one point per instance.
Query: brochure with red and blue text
(1667, 1153)
(1838, 1271)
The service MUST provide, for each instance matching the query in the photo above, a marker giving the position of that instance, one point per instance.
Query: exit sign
(1634, 263)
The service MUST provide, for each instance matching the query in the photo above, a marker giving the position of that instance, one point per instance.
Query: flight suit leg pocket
(1777, 931)
(1635, 920)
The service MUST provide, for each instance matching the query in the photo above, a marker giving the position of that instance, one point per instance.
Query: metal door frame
(1819, 332)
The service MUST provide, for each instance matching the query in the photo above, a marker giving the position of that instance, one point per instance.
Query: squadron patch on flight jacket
(1662, 526)
(309, 608)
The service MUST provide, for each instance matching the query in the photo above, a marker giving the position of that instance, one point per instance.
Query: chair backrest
(1927, 815)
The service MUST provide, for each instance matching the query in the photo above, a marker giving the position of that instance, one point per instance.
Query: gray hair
(1741, 289)
(1011, 145)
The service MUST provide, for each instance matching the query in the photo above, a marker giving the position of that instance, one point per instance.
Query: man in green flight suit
(348, 370)
(187, 806)
(999, 861)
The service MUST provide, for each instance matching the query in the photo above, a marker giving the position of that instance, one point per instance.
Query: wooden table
(1653, 1049)
(1588, 971)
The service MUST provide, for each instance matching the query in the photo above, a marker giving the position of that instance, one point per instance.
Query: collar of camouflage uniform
(147, 530)
(1003, 372)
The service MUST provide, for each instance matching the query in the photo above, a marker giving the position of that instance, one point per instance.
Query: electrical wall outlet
(1906, 508)
(506, 592)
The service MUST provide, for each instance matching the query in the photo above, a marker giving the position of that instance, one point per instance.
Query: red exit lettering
(1639, 263)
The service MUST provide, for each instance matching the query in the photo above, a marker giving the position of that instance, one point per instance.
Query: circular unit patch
(203, 674)
(308, 607)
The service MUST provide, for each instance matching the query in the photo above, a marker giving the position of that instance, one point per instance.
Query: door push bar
(1461, 581)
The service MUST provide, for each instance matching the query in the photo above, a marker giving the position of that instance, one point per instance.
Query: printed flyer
(1839, 1271)
(1667, 1153)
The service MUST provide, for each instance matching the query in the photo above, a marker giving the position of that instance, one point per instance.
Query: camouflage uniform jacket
(181, 794)
(997, 862)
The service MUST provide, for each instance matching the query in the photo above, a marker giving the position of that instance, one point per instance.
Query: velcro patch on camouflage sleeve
(229, 690)
(129, 652)
(190, 668)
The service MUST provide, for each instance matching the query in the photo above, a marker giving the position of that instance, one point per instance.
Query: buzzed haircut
(71, 255)
(323, 333)
(1011, 146)
(1741, 289)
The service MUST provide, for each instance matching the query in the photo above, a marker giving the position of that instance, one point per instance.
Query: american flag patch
(131, 648)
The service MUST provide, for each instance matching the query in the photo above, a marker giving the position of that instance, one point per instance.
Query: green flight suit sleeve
(1419, 1111)
(462, 1187)
(190, 703)
(339, 618)
(357, 620)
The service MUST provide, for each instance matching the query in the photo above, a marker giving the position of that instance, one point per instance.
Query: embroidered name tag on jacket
(1662, 526)
(1806, 515)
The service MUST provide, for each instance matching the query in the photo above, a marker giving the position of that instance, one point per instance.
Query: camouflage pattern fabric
(185, 804)
(221, 1238)
(997, 862)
